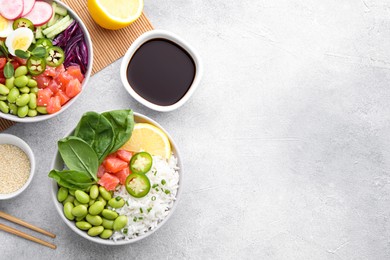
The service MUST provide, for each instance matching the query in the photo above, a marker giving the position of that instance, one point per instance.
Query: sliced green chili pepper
(45, 43)
(141, 162)
(137, 185)
(23, 22)
(36, 65)
(55, 56)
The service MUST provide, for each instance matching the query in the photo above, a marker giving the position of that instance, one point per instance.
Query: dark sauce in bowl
(161, 72)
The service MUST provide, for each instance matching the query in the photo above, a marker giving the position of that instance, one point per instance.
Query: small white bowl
(14, 140)
(161, 34)
(58, 163)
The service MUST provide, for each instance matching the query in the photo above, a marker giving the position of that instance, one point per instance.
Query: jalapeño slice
(137, 185)
(141, 162)
(55, 56)
(23, 22)
(36, 65)
(45, 43)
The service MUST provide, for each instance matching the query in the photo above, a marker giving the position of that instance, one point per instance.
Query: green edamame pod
(33, 101)
(68, 207)
(13, 95)
(109, 214)
(115, 203)
(3, 98)
(94, 220)
(94, 192)
(4, 107)
(20, 71)
(42, 110)
(32, 113)
(70, 198)
(3, 90)
(120, 222)
(83, 225)
(13, 109)
(81, 196)
(23, 111)
(106, 234)
(108, 223)
(9, 83)
(104, 193)
(23, 100)
(25, 90)
(62, 194)
(95, 231)
(96, 208)
(32, 83)
(80, 211)
(21, 81)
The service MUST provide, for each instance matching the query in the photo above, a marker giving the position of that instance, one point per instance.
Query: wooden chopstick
(26, 236)
(25, 224)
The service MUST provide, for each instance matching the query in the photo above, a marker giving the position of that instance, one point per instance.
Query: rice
(144, 214)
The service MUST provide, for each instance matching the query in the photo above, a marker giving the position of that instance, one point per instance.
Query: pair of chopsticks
(24, 235)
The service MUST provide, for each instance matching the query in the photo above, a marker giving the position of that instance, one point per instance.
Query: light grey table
(286, 143)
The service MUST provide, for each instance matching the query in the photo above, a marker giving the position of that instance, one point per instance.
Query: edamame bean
(23, 100)
(95, 231)
(68, 207)
(13, 95)
(80, 211)
(81, 196)
(42, 110)
(104, 193)
(33, 101)
(91, 202)
(4, 107)
(96, 208)
(20, 71)
(108, 223)
(62, 194)
(120, 222)
(109, 214)
(21, 81)
(32, 83)
(13, 109)
(3, 90)
(77, 203)
(9, 83)
(79, 219)
(94, 220)
(83, 225)
(23, 111)
(70, 198)
(25, 90)
(106, 234)
(116, 203)
(70, 191)
(100, 198)
(34, 90)
(94, 192)
(3, 98)
(32, 113)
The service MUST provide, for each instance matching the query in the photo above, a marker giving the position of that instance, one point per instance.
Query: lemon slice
(148, 138)
(116, 14)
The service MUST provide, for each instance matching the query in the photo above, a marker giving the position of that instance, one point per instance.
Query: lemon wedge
(116, 14)
(148, 138)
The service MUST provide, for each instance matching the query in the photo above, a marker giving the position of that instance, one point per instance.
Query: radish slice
(11, 9)
(28, 6)
(40, 14)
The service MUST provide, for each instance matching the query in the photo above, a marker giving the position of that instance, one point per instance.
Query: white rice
(144, 214)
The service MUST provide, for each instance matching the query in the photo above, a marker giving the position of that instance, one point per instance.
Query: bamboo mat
(108, 46)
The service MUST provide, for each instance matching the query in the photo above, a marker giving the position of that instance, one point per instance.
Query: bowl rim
(87, 75)
(158, 34)
(70, 224)
(17, 141)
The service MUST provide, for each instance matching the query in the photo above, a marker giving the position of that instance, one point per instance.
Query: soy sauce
(161, 72)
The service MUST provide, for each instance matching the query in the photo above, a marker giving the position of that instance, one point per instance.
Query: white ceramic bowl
(161, 34)
(58, 163)
(88, 41)
(14, 140)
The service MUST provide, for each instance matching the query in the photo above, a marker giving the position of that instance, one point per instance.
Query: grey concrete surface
(286, 143)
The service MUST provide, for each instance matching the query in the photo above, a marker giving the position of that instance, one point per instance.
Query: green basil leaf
(39, 52)
(22, 54)
(74, 180)
(78, 155)
(97, 131)
(122, 122)
(8, 70)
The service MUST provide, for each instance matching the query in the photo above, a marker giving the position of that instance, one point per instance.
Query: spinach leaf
(122, 122)
(97, 131)
(74, 180)
(78, 155)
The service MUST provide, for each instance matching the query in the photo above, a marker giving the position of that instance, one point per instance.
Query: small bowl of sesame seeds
(17, 166)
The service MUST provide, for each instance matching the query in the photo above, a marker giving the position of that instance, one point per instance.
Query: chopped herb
(135, 219)
(155, 185)
(149, 209)
(155, 173)
(127, 203)
(153, 198)
(140, 218)
(163, 182)
(140, 210)
(167, 191)
(157, 189)
(125, 231)
(118, 198)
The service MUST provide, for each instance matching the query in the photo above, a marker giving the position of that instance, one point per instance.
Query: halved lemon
(148, 138)
(116, 14)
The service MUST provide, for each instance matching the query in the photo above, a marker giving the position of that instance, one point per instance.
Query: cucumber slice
(56, 25)
(38, 33)
(61, 11)
(60, 29)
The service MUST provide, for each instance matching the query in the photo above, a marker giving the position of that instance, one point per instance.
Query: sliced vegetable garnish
(137, 185)
(36, 65)
(45, 43)
(23, 22)
(55, 56)
(141, 163)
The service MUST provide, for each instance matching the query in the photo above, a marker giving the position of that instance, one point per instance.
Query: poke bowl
(46, 58)
(128, 201)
